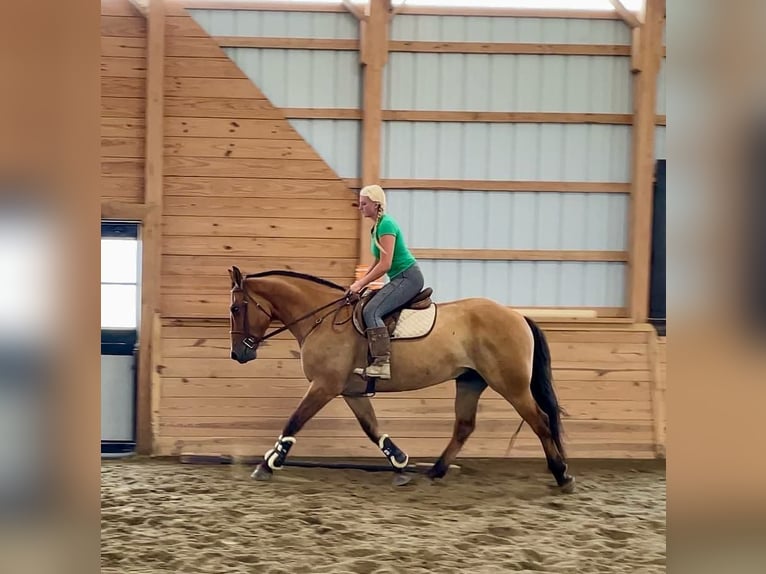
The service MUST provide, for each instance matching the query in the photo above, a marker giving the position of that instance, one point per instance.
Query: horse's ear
(236, 277)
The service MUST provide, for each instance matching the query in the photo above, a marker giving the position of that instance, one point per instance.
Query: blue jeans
(393, 295)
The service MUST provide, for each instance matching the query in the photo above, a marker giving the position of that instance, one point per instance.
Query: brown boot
(380, 349)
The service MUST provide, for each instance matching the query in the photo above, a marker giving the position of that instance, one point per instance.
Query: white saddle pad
(414, 323)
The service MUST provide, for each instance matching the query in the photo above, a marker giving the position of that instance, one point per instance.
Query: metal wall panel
(505, 82)
(507, 29)
(502, 151)
(528, 283)
(511, 220)
(277, 24)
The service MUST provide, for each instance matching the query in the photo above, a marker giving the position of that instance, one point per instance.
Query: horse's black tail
(542, 384)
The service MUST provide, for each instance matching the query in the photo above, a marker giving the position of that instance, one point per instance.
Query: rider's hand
(356, 287)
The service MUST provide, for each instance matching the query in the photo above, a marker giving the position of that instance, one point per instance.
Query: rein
(252, 342)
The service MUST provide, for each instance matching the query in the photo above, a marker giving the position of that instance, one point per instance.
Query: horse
(477, 342)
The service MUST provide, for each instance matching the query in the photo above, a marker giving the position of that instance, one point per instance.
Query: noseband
(252, 342)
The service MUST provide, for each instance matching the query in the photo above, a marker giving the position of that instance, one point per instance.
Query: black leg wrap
(394, 454)
(275, 457)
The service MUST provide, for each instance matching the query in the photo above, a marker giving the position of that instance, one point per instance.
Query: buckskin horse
(476, 341)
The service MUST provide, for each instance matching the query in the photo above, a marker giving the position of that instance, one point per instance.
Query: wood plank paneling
(123, 87)
(241, 148)
(211, 88)
(237, 167)
(116, 46)
(237, 108)
(267, 247)
(294, 389)
(415, 447)
(112, 107)
(259, 188)
(182, 427)
(260, 227)
(273, 208)
(128, 26)
(123, 105)
(212, 265)
(390, 407)
(228, 127)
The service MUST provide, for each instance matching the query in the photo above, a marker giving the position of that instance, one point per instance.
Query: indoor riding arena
(522, 152)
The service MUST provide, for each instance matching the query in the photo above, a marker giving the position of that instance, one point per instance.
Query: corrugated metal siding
(511, 220)
(500, 29)
(505, 82)
(528, 283)
(505, 151)
(277, 24)
(502, 151)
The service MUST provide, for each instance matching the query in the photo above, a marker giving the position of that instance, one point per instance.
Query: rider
(392, 258)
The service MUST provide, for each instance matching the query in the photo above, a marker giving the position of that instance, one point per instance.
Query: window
(119, 276)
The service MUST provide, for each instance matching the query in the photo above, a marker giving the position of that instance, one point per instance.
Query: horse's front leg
(365, 414)
(317, 396)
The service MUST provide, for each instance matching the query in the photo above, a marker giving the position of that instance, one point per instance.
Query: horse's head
(247, 325)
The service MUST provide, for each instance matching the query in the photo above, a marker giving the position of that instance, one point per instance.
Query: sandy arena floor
(492, 516)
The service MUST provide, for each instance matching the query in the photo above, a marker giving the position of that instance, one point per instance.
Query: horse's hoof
(569, 486)
(262, 473)
(400, 479)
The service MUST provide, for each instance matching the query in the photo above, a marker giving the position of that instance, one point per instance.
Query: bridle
(252, 342)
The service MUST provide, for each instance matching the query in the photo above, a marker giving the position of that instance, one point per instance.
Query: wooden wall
(241, 186)
(604, 377)
(123, 101)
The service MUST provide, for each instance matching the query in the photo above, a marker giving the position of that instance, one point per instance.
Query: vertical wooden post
(646, 65)
(374, 55)
(151, 232)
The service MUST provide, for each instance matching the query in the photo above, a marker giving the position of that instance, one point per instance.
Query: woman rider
(392, 258)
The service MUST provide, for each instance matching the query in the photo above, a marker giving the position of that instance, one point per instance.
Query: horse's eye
(234, 309)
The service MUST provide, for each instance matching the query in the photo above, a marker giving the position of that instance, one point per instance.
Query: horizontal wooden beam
(507, 12)
(510, 48)
(287, 43)
(427, 47)
(338, 6)
(123, 210)
(275, 5)
(494, 185)
(468, 116)
(521, 255)
(507, 117)
(323, 113)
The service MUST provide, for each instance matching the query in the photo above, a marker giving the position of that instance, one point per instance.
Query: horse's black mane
(298, 275)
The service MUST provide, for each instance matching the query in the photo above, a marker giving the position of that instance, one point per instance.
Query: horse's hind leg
(365, 414)
(535, 417)
(470, 386)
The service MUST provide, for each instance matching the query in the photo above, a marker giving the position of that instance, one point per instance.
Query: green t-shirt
(402, 259)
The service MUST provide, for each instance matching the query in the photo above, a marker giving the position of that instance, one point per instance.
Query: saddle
(419, 302)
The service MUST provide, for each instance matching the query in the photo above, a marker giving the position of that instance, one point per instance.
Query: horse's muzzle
(243, 355)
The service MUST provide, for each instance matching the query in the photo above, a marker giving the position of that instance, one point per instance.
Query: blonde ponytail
(376, 194)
